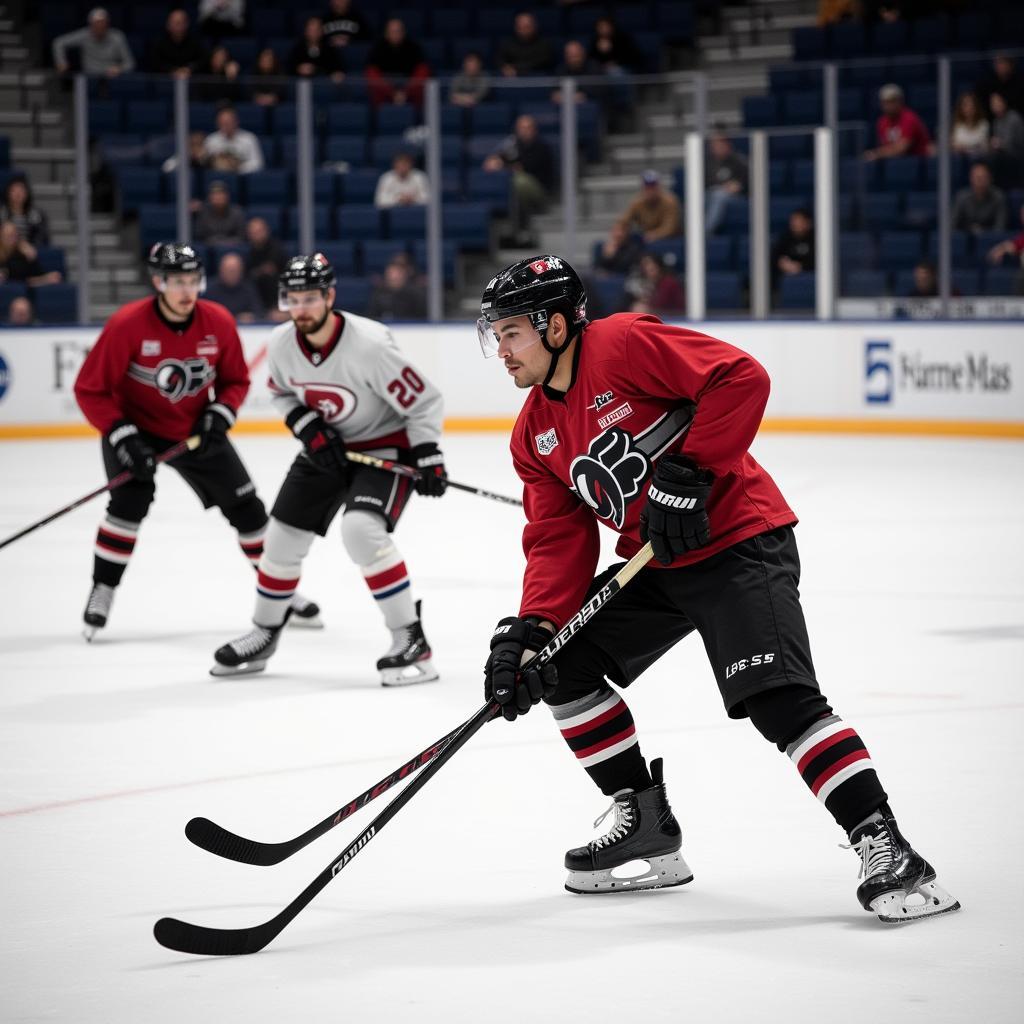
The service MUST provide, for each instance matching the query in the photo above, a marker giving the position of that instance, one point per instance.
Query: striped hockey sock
(252, 545)
(388, 581)
(600, 732)
(115, 542)
(275, 586)
(835, 764)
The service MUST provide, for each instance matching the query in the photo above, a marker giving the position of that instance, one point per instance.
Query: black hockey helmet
(535, 288)
(304, 274)
(166, 258)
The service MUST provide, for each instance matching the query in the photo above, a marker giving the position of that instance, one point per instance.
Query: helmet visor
(512, 339)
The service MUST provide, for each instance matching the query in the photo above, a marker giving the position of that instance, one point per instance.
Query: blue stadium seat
(468, 225)
(323, 222)
(56, 303)
(719, 253)
(289, 146)
(157, 223)
(961, 249)
(326, 187)
(360, 221)
(796, 291)
(778, 177)
(202, 179)
(920, 210)
(384, 147)
(760, 111)
(929, 35)
(899, 249)
(491, 187)
(414, 18)
(358, 185)
(865, 284)
(253, 118)
(856, 250)
(453, 120)
(348, 119)
(449, 250)
(491, 118)
(985, 240)
(139, 185)
(673, 19)
(673, 251)
(349, 149)
(901, 174)
(802, 176)
(790, 147)
(881, 209)
(269, 186)
(147, 116)
(9, 291)
(377, 253)
(608, 291)
(801, 108)
(781, 207)
(851, 104)
(202, 116)
(890, 37)
(450, 23)
(737, 216)
(353, 293)
(408, 222)
(461, 45)
(269, 22)
(105, 116)
(1002, 281)
(809, 43)
(966, 282)
(393, 120)
(283, 119)
(342, 256)
(52, 258)
(848, 39)
(723, 290)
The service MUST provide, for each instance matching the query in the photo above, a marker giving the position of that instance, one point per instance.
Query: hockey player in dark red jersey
(647, 427)
(164, 369)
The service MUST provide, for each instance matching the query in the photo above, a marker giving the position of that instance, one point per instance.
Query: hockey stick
(190, 938)
(189, 444)
(400, 469)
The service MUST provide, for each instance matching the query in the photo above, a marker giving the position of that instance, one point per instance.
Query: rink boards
(952, 378)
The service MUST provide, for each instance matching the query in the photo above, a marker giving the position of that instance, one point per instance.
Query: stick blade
(193, 938)
(216, 839)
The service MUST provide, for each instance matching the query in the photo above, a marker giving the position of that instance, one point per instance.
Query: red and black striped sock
(252, 545)
(115, 542)
(600, 731)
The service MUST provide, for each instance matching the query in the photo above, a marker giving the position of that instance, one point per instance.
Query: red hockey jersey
(640, 389)
(159, 375)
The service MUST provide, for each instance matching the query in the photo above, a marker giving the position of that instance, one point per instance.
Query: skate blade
(660, 873)
(89, 632)
(409, 675)
(296, 621)
(247, 668)
(894, 908)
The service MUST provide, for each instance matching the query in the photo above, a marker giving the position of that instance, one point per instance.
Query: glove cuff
(682, 471)
(301, 419)
(120, 431)
(225, 412)
(527, 633)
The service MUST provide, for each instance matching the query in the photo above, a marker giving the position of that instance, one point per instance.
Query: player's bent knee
(248, 516)
(365, 536)
(785, 712)
(285, 545)
(131, 501)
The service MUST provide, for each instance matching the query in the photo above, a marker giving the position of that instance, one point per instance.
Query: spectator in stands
(219, 221)
(343, 24)
(613, 49)
(576, 64)
(20, 312)
(177, 52)
(396, 68)
(725, 179)
(620, 252)
(793, 252)
(982, 207)
(532, 163)
(19, 262)
(899, 131)
(219, 78)
(103, 51)
(231, 148)
(222, 18)
(970, 128)
(398, 296)
(926, 281)
(1007, 80)
(30, 221)
(1012, 248)
(471, 86)
(656, 289)
(1007, 142)
(311, 55)
(264, 261)
(654, 210)
(403, 185)
(832, 11)
(526, 51)
(197, 156)
(269, 87)
(232, 290)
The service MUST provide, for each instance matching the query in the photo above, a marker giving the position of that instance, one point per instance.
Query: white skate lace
(623, 821)
(252, 641)
(401, 640)
(875, 853)
(99, 600)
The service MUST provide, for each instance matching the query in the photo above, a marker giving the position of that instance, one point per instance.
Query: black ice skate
(97, 609)
(250, 652)
(305, 613)
(893, 872)
(408, 658)
(645, 830)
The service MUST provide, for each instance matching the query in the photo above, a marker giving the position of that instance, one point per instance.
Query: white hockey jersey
(359, 382)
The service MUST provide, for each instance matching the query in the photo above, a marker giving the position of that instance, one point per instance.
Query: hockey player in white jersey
(342, 383)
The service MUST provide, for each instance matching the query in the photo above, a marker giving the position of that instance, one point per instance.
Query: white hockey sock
(277, 575)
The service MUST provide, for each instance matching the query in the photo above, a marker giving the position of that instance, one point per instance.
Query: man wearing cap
(104, 50)
(899, 130)
(220, 221)
(654, 210)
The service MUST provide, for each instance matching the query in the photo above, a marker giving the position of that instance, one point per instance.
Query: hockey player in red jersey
(647, 427)
(164, 369)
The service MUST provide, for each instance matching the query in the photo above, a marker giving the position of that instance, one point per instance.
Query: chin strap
(555, 355)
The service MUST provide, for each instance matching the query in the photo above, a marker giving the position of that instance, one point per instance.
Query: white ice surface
(914, 591)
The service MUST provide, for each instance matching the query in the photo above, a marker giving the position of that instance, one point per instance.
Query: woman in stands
(18, 208)
(970, 128)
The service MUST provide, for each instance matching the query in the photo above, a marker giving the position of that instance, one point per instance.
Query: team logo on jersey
(546, 442)
(610, 475)
(208, 346)
(150, 347)
(618, 413)
(601, 400)
(334, 402)
(175, 379)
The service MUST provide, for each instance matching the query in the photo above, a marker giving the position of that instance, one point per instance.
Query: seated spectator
(655, 289)
(1007, 80)
(217, 82)
(620, 252)
(17, 208)
(311, 55)
(471, 86)
(970, 129)
(532, 163)
(613, 49)
(18, 260)
(832, 11)
(264, 262)
(982, 207)
(268, 84)
(197, 156)
(926, 282)
(1007, 142)
(576, 64)
(103, 51)
(219, 221)
(725, 179)
(231, 148)
(220, 19)
(396, 68)
(403, 185)
(525, 52)
(233, 291)
(1012, 247)
(899, 131)
(398, 296)
(20, 312)
(654, 211)
(177, 52)
(343, 24)
(793, 252)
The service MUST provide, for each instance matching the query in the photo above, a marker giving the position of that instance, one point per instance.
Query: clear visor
(299, 302)
(181, 282)
(511, 340)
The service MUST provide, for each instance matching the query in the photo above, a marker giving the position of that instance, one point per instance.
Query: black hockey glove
(675, 520)
(323, 444)
(212, 427)
(132, 451)
(514, 690)
(433, 480)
